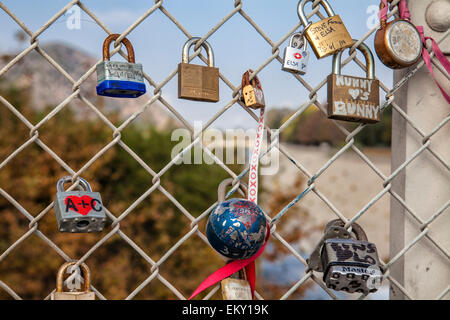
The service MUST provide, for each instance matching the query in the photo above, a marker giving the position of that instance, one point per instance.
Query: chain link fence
(275, 47)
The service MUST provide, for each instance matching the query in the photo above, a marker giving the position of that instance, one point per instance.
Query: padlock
(86, 294)
(252, 93)
(236, 227)
(78, 211)
(119, 79)
(327, 36)
(196, 82)
(397, 43)
(295, 55)
(352, 98)
(236, 287)
(348, 264)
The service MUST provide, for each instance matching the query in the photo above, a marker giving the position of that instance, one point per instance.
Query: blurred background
(76, 134)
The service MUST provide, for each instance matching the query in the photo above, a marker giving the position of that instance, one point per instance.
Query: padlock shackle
(221, 190)
(84, 184)
(356, 228)
(205, 44)
(304, 42)
(125, 41)
(84, 270)
(383, 19)
(302, 15)
(246, 80)
(370, 62)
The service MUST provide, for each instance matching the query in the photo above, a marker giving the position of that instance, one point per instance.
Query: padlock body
(200, 83)
(351, 265)
(73, 296)
(120, 79)
(235, 289)
(353, 99)
(295, 60)
(253, 97)
(328, 36)
(79, 211)
(398, 44)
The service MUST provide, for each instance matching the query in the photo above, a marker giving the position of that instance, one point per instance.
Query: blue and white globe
(236, 228)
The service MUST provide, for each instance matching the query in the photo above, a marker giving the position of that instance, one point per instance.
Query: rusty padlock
(348, 264)
(397, 43)
(352, 98)
(236, 287)
(252, 92)
(86, 294)
(119, 79)
(327, 36)
(197, 82)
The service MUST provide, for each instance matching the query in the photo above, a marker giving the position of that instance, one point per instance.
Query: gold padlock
(397, 43)
(327, 36)
(195, 82)
(352, 98)
(236, 287)
(252, 92)
(73, 295)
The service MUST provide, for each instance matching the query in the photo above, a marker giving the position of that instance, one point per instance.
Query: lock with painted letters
(252, 92)
(196, 82)
(236, 287)
(295, 55)
(349, 264)
(352, 98)
(397, 43)
(86, 294)
(119, 79)
(327, 36)
(78, 211)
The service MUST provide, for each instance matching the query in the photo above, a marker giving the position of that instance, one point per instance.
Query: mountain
(48, 87)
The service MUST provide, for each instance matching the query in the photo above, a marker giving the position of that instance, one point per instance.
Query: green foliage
(155, 225)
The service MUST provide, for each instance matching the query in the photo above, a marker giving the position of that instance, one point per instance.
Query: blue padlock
(119, 79)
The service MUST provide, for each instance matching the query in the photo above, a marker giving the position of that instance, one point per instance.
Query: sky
(237, 46)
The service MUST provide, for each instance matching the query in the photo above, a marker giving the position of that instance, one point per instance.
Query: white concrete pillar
(424, 271)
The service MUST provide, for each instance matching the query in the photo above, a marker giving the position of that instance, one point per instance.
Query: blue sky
(237, 46)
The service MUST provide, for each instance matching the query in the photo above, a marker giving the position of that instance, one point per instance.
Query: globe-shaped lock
(236, 227)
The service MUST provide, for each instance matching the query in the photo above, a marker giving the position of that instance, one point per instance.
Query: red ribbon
(233, 267)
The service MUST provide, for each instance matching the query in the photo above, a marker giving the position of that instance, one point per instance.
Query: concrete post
(424, 271)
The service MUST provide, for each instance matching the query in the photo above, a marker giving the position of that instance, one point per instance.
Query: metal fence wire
(423, 226)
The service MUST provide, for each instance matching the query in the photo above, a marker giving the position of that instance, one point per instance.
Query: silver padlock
(78, 211)
(348, 264)
(295, 55)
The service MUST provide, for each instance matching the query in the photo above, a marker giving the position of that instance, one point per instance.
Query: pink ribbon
(406, 15)
(402, 8)
(427, 58)
(233, 267)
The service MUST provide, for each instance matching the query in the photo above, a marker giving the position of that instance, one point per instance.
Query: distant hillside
(313, 127)
(48, 87)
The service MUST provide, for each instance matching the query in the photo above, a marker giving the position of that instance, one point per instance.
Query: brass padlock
(87, 294)
(236, 287)
(352, 98)
(397, 43)
(197, 82)
(252, 92)
(327, 36)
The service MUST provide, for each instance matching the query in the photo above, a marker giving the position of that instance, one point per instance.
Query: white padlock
(295, 55)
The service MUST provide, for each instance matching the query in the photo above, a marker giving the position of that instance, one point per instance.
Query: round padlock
(397, 43)
(237, 227)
